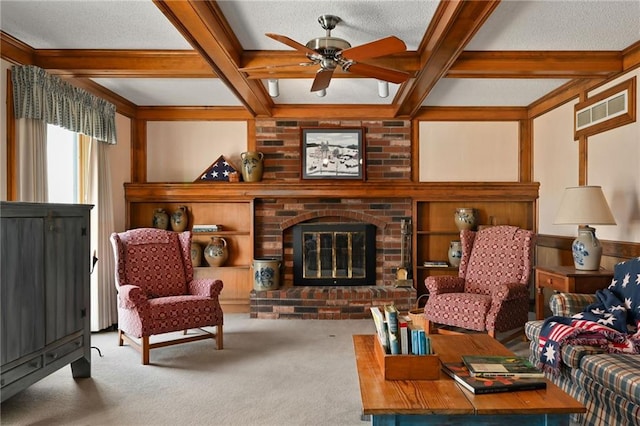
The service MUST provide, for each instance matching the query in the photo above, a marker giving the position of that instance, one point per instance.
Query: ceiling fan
(331, 52)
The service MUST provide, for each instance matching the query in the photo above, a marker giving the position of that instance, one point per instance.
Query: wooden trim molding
(621, 249)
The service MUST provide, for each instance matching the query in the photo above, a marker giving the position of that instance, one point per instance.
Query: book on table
(492, 365)
(483, 385)
(381, 327)
(393, 329)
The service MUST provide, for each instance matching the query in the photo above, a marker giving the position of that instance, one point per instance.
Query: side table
(567, 279)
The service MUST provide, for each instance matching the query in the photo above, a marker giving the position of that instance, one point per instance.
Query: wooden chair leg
(219, 337)
(145, 350)
(120, 339)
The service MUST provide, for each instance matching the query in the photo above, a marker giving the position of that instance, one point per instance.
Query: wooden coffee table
(443, 402)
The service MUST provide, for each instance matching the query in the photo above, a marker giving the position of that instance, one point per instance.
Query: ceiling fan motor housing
(328, 46)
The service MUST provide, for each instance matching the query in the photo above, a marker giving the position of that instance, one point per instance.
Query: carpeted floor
(271, 372)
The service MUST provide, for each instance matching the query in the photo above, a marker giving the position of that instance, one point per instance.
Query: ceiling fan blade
(268, 67)
(292, 43)
(386, 74)
(375, 49)
(323, 77)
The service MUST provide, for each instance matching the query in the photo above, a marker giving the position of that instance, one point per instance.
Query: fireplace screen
(334, 254)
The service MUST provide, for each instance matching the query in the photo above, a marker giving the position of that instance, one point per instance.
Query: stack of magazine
(490, 374)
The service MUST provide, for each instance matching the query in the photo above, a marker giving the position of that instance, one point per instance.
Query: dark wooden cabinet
(44, 292)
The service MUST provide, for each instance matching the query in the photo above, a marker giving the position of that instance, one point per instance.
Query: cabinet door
(65, 262)
(22, 287)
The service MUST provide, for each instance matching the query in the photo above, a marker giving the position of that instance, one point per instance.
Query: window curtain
(41, 96)
(40, 99)
(31, 161)
(97, 191)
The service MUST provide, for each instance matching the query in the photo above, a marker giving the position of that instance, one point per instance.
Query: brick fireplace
(387, 157)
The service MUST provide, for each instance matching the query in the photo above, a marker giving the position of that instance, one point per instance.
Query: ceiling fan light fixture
(274, 88)
(383, 89)
(321, 93)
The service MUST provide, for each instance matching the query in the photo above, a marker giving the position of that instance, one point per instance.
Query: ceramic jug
(160, 219)
(196, 254)
(216, 253)
(251, 166)
(180, 219)
(466, 218)
(266, 274)
(455, 253)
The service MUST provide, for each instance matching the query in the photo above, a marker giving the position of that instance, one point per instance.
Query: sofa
(608, 384)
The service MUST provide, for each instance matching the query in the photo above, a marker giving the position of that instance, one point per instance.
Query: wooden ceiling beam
(124, 63)
(204, 26)
(535, 64)
(452, 27)
(15, 51)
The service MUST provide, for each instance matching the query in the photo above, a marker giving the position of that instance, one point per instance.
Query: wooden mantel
(436, 191)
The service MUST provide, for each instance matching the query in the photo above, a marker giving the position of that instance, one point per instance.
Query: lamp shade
(584, 205)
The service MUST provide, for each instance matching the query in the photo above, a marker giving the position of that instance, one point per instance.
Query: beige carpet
(271, 372)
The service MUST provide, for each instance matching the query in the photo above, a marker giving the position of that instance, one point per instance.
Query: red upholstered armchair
(491, 291)
(157, 293)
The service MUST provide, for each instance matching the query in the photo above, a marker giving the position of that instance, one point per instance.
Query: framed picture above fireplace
(333, 153)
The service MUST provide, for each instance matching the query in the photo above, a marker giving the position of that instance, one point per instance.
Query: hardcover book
(483, 385)
(491, 366)
(393, 329)
(381, 327)
(435, 264)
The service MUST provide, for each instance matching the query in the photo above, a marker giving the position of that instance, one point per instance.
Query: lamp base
(587, 250)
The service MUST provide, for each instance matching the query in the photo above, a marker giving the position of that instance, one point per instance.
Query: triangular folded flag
(219, 170)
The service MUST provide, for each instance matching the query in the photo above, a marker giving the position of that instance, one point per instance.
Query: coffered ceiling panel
(107, 40)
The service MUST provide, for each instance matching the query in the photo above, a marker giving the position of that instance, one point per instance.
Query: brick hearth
(328, 302)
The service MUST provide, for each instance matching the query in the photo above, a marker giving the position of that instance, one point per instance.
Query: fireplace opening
(335, 254)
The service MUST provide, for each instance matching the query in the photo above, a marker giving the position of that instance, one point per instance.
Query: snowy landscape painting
(332, 153)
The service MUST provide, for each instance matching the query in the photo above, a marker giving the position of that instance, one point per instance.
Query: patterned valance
(36, 94)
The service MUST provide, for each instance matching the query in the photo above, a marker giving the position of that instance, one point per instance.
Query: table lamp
(584, 206)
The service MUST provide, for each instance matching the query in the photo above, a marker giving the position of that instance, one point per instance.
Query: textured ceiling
(139, 24)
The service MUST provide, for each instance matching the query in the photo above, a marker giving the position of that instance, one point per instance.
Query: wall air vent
(612, 108)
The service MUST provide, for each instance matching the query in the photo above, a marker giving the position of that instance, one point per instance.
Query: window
(607, 110)
(62, 165)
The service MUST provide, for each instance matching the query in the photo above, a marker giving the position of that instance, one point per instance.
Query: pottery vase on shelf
(455, 253)
(216, 252)
(160, 219)
(196, 254)
(180, 219)
(466, 218)
(251, 166)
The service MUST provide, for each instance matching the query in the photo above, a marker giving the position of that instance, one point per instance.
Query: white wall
(181, 151)
(469, 151)
(555, 165)
(613, 163)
